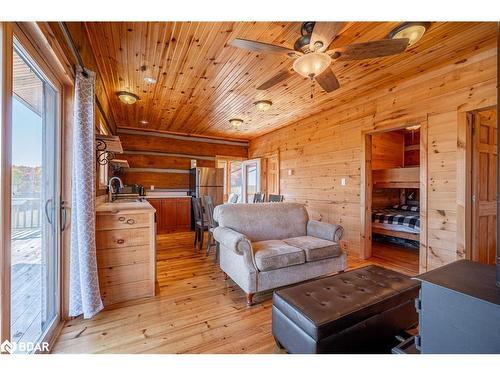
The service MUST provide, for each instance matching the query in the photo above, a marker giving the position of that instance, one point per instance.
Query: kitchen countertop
(118, 206)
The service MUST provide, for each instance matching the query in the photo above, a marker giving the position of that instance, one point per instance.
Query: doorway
(483, 186)
(394, 195)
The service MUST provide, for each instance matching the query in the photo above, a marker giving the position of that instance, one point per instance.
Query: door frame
(367, 187)
(465, 124)
(49, 58)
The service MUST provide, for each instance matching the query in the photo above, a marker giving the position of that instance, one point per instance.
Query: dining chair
(276, 198)
(258, 198)
(199, 222)
(233, 198)
(212, 224)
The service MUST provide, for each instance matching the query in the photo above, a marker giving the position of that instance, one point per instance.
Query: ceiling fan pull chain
(312, 88)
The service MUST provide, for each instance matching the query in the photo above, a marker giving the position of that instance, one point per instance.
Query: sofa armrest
(326, 231)
(237, 242)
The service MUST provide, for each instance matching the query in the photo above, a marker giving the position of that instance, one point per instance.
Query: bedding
(398, 218)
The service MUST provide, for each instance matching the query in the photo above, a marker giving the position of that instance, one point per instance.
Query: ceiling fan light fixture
(413, 31)
(312, 64)
(263, 105)
(127, 97)
(236, 123)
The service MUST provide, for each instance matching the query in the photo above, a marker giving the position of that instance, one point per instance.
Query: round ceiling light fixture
(414, 31)
(149, 80)
(263, 105)
(413, 127)
(127, 97)
(236, 123)
(312, 64)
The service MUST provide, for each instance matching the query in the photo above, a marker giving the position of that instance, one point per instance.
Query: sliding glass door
(35, 195)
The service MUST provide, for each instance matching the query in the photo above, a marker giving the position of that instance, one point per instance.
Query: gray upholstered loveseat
(267, 245)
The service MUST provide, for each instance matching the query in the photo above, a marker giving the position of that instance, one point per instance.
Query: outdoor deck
(26, 324)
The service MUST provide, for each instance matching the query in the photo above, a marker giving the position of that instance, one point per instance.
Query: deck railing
(26, 213)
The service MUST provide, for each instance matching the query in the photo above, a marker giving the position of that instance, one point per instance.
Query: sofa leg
(249, 299)
(278, 344)
(226, 276)
(341, 271)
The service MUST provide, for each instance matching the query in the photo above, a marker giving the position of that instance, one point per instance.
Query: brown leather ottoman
(359, 311)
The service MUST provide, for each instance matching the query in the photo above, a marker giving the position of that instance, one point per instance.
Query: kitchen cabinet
(125, 251)
(172, 214)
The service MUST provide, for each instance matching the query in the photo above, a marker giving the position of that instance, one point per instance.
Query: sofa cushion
(273, 254)
(315, 248)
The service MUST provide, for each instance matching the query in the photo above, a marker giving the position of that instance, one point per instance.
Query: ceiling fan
(313, 60)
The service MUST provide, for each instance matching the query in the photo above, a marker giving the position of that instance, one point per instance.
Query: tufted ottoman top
(325, 306)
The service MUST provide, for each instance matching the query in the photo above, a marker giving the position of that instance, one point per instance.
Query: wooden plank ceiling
(202, 81)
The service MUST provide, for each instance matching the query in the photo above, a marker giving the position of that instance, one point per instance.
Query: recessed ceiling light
(236, 123)
(263, 105)
(414, 31)
(149, 80)
(144, 122)
(127, 97)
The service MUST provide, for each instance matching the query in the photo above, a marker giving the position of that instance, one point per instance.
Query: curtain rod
(71, 43)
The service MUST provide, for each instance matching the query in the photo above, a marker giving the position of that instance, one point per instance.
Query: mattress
(395, 227)
(398, 219)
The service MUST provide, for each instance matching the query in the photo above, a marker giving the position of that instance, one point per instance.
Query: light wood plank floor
(195, 311)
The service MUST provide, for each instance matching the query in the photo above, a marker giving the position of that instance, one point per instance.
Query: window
(103, 171)
(236, 179)
(250, 170)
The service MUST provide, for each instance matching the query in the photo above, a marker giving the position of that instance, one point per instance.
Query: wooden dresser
(126, 251)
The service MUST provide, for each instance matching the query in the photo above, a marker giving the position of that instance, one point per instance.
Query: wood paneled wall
(325, 148)
(164, 160)
(388, 150)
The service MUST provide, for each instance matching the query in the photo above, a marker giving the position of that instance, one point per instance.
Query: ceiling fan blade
(327, 80)
(281, 76)
(324, 33)
(255, 46)
(369, 50)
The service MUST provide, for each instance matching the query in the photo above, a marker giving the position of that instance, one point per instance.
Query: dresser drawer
(110, 239)
(123, 256)
(124, 274)
(123, 221)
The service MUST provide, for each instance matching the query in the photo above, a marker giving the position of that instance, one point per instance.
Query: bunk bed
(400, 220)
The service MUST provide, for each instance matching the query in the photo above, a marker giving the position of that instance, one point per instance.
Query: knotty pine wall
(327, 146)
(164, 160)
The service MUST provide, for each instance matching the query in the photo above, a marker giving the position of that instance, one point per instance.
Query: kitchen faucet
(110, 187)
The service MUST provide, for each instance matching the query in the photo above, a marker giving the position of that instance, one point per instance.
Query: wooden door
(273, 176)
(484, 187)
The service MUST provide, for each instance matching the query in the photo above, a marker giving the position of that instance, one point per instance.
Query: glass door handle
(64, 215)
(46, 210)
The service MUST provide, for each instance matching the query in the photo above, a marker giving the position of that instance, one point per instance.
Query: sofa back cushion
(264, 221)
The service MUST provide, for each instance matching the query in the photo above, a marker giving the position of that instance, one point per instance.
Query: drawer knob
(120, 241)
(121, 218)
(130, 221)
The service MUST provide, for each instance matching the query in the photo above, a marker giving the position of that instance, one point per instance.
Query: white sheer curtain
(85, 297)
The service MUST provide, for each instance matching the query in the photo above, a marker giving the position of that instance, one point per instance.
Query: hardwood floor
(195, 311)
(402, 259)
